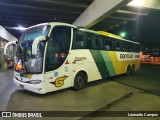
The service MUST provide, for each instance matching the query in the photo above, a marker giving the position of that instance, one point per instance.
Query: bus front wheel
(80, 81)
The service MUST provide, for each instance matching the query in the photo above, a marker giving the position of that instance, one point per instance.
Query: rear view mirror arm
(7, 44)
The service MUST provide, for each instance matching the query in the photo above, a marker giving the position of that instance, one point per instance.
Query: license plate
(22, 86)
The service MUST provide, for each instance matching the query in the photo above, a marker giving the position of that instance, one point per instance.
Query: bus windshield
(24, 57)
(33, 33)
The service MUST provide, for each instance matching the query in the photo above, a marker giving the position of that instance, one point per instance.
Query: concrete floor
(144, 85)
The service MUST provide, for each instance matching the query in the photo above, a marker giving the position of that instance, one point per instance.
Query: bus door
(57, 68)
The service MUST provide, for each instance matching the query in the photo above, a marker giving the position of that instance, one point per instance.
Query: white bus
(54, 56)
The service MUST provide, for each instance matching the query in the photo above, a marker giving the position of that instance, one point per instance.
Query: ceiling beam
(122, 18)
(35, 14)
(132, 13)
(33, 8)
(121, 15)
(64, 3)
(35, 18)
(17, 22)
(27, 23)
(104, 25)
(8, 24)
(135, 9)
(104, 22)
(97, 11)
(99, 28)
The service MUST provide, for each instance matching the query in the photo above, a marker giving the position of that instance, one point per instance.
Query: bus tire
(80, 81)
(133, 69)
(128, 71)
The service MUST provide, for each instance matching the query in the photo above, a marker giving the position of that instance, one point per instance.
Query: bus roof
(104, 33)
(60, 23)
(52, 24)
(109, 34)
(115, 36)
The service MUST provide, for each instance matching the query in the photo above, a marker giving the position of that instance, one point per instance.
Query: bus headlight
(35, 81)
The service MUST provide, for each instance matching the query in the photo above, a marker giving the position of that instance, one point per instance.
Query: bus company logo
(123, 56)
(80, 58)
(60, 81)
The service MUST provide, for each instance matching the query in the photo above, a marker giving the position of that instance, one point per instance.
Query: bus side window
(108, 43)
(136, 48)
(79, 39)
(98, 43)
(130, 47)
(125, 46)
(97, 46)
(93, 42)
(118, 45)
(89, 42)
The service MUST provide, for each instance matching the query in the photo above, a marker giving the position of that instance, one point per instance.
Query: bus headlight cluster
(35, 81)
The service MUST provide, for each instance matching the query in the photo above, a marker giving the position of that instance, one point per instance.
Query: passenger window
(118, 45)
(130, 47)
(79, 40)
(93, 42)
(108, 43)
(136, 48)
(89, 41)
(99, 43)
(125, 46)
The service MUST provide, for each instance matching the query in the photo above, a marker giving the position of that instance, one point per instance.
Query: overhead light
(137, 3)
(20, 28)
(17, 28)
(132, 13)
(123, 34)
(44, 29)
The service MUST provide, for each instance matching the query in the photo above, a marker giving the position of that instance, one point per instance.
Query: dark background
(145, 29)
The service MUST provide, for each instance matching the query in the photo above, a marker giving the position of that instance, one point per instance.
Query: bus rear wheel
(133, 69)
(128, 72)
(80, 81)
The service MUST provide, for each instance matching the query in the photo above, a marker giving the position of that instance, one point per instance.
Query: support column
(97, 11)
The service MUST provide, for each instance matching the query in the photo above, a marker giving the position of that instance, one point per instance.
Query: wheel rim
(80, 81)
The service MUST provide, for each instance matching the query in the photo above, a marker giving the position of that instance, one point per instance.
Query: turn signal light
(18, 66)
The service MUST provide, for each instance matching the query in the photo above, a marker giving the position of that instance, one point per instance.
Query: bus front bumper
(36, 88)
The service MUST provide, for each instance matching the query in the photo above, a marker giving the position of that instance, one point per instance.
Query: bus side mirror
(36, 42)
(7, 44)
